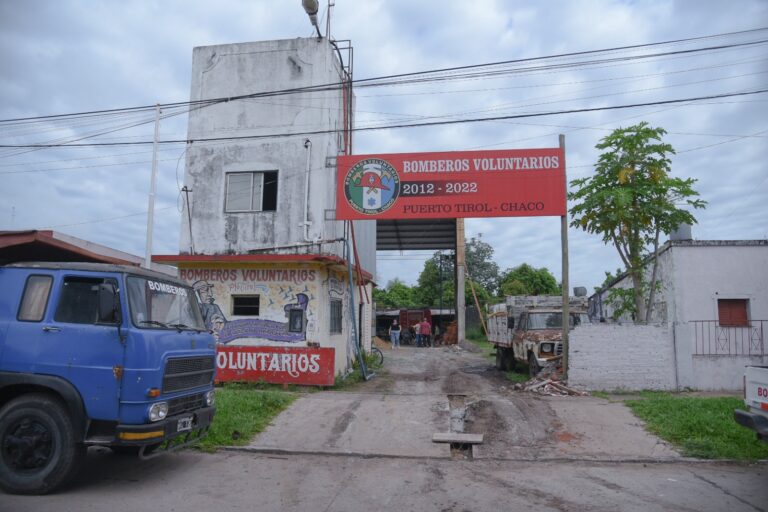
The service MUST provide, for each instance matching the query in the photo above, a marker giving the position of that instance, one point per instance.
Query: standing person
(394, 334)
(415, 332)
(425, 329)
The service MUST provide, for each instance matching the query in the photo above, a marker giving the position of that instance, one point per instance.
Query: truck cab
(538, 335)
(96, 354)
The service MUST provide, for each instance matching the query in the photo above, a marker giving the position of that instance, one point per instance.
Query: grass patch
(355, 378)
(242, 411)
(477, 338)
(351, 380)
(601, 394)
(515, 376)
(699, 426)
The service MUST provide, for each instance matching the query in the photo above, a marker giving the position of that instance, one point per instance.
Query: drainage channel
(457, 406)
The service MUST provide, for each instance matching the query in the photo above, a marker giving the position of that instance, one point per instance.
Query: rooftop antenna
(331, 4)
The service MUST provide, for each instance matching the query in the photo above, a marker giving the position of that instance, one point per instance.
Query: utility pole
(152, 190)
(564, 244)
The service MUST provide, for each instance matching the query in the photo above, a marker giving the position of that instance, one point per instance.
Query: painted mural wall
(283, 291)
(288, 301)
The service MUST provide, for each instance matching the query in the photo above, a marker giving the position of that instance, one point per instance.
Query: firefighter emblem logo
(372, 186)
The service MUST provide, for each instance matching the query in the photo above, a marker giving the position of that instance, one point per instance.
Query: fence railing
(713, 339)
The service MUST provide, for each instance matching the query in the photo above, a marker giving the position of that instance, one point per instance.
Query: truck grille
(187, 373)
(184, 404)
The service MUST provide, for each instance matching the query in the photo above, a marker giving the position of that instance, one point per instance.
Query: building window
(335, 316)
(732, 312)
(296, 320)
(245, 305)
(251, 192)
(35, 298)
(79, 300)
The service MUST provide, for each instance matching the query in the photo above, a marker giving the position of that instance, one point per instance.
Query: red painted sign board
(276, 365)
(456, 184)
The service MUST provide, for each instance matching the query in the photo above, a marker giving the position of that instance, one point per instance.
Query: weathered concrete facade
(259, 240)
(695, 276)
(303, 218)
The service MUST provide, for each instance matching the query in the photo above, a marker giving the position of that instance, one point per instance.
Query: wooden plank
(457, 437)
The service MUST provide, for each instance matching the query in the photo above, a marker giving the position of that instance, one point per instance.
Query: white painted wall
(702, 273)
(621, 357)
(694, 274)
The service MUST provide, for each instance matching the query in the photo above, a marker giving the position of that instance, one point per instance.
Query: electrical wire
(397, 126)
(435, 75)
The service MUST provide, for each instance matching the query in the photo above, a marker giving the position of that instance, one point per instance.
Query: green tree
(396, 295)
(527, 280)
(631, 200)
(480, 264)
(427, 293)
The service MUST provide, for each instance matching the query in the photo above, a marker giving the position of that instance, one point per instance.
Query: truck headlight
(158, 411)
(210, 398)
(547, 347)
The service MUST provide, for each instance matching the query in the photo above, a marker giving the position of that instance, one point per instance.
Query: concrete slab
(591, 427)
(455, 437)
(359, 423)
(397, 413)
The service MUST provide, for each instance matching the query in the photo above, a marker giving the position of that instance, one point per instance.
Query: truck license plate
(184, 424)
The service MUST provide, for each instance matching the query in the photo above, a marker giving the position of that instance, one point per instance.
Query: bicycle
(376, 357)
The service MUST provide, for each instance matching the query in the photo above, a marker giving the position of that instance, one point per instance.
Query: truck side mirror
(109, 304)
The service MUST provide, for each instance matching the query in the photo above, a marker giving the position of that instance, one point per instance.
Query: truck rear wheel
(505, 359)
(38, 447)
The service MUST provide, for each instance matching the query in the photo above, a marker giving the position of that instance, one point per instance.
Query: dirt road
(424, 390)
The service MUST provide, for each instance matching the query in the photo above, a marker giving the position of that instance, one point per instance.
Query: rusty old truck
(528, 329)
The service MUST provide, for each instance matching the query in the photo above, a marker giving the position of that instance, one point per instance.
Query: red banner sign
(501, 183)
(276, 365)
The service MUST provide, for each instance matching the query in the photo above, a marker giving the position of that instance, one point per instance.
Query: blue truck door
(87, 353)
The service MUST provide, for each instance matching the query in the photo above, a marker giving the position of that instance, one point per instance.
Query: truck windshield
(158, 304)
(553, 320)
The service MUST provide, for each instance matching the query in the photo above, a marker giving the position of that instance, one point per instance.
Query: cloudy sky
(62, 56)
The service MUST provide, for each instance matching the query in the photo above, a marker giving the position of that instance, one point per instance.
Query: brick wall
(617, 356)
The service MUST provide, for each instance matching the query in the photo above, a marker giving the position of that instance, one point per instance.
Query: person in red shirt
(425, 330)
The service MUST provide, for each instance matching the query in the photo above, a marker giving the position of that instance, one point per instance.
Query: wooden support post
(461, 310)
(477, 303)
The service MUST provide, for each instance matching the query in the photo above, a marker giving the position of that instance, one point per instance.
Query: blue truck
(97, 355)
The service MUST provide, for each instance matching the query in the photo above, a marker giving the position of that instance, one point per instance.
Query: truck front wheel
(38, 447)
(533, 366)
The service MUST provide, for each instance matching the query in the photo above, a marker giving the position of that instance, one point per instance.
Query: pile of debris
(450, 336)
(550, 387)
(549, 382)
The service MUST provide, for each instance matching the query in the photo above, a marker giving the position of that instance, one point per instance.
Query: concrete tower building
(259, 239)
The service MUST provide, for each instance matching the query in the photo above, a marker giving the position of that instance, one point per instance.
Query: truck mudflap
(752, 421)
(169, 435)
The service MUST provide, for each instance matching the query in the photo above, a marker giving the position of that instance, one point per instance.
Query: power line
(395, 126)
(397, 79)
(105, 219)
